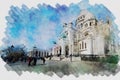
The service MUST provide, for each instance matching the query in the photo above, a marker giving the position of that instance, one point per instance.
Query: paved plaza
(60, 67)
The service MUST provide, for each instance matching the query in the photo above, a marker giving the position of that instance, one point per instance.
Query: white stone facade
(88, 36)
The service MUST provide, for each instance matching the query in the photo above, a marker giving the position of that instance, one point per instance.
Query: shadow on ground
(62, 68)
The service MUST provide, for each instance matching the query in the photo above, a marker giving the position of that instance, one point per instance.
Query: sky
(40, 26)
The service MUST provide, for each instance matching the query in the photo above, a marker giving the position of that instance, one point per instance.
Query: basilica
(87, 36)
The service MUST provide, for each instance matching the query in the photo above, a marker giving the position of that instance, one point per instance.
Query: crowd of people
(33, 57)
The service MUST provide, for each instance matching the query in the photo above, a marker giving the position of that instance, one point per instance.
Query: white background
(112, 5)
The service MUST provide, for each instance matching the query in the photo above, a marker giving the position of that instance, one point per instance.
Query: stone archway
(66, 51)
(60, 50)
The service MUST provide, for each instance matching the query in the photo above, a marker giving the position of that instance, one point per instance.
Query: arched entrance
(60, 50)
(66, 51)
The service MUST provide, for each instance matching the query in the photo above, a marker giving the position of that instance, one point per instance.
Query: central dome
(85, 15)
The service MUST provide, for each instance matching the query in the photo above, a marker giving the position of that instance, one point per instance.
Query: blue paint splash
(40, 26)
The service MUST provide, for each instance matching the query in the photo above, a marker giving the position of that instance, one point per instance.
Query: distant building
(38, 53)
(88, 36)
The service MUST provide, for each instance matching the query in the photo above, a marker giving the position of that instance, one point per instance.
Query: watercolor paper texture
(75, 39)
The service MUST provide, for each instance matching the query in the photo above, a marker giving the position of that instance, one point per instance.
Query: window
(86, 25)
(96, 22)
(83, 16)
(85, 46)
(86, 34)
(81, 24)
(82, 44)
(75, 43)
(90, 23)
(67, 33)
(74, 35)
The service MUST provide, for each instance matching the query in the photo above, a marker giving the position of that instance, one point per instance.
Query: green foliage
(114, 59)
